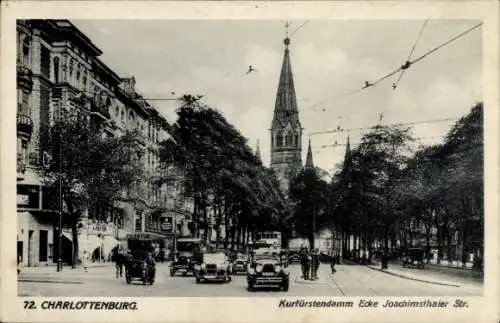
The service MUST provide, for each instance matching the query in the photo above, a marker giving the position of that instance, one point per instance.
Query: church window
(279, 140)
(288, 139)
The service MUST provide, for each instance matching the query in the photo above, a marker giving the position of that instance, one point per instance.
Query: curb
(49, 281)
(410, 278)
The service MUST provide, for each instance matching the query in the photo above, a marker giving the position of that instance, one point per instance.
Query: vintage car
(240, 263)
(414, 257)
(267, 272)
(188, 255)
(214, 267)
(138, 269)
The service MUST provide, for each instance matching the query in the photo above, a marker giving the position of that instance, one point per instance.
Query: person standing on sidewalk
(85, 261)
(315, 264)
(333, 261)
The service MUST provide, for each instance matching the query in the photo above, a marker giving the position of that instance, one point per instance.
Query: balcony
(24, 78)
(24, 124)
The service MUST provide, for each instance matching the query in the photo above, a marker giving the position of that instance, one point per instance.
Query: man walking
(315, 264)
(333, 261)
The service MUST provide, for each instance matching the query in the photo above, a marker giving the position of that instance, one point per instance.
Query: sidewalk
(429, 275)
(68, 275)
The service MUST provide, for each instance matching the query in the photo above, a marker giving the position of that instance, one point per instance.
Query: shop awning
(108, 244)
(68, 236)
(89, 243)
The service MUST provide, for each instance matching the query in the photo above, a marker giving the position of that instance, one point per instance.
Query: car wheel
(172, 272)
(228, 278)
(198, 280)
(128, 279)
(151, 282)
(250, 288)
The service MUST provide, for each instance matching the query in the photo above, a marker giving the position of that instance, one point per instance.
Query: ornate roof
(285, 108)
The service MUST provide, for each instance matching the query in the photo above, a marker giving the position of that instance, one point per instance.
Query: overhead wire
(385, 125)
(403, 67)
(394, 86)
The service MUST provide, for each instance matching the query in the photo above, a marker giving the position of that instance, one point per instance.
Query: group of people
(309, 262)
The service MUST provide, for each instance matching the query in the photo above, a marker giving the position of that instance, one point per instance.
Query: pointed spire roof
(285, 107)
(257, 152)
(347, 163)
(309, 159)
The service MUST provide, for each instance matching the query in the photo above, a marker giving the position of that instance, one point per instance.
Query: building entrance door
(31, 251)
(19, 252)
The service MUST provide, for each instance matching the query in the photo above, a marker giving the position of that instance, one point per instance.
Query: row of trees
(386, 192)
(230, 188)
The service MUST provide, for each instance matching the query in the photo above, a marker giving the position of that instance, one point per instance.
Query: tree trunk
(74, 234)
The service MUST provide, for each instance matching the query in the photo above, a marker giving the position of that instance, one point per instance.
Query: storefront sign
(166, 225)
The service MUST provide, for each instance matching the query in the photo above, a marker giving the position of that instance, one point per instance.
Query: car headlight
(203, 266)
(197, 267)
(277, 268)
(259, 268)
(251, 271)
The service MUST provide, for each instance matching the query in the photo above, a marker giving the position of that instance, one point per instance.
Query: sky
(329, 58)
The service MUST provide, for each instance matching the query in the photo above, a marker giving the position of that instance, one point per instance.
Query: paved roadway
(350, 280)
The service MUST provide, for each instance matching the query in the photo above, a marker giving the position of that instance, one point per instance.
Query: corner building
(59, 73)
(286, 130)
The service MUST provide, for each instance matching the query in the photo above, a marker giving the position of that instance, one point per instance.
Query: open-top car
(138, 269)
(240, 263)
(267, 271)
(214, 267)
(188, 255)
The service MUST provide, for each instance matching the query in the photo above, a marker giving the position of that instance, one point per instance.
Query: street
(349, 280)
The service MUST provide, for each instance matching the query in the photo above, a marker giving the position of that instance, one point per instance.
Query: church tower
(286, 130)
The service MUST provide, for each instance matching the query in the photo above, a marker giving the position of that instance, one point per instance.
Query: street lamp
(59, 253)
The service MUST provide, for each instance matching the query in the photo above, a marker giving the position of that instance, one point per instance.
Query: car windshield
(215, 258)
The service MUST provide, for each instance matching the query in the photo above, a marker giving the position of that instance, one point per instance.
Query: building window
(84, 83)
(45, 62)
(296, 140)
(26, 52)
(56, 69)
(288, 140)
(123, 115)
(24, 108)
(279, 139)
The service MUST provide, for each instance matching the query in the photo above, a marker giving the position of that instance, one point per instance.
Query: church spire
(309, 159)
(257, 152)
(285, 107)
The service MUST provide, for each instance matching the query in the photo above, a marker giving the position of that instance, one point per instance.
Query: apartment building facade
(59, 72)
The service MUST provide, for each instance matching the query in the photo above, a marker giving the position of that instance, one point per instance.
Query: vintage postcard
(250, 162)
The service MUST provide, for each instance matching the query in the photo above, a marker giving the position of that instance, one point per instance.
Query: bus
(268, 240)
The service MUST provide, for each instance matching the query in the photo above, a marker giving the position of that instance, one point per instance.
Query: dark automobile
(267, 272)
(188, 255)
(240, 263)
(214, 267)
(414, 257)
(138, 269)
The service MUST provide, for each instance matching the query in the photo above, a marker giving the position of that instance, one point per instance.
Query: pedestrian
(333, 260)
(315, 264)
(119, 258)
(85, 261)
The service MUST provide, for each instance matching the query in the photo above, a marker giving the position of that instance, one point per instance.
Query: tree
(222, 175)
(309, 196)
(90, 168)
